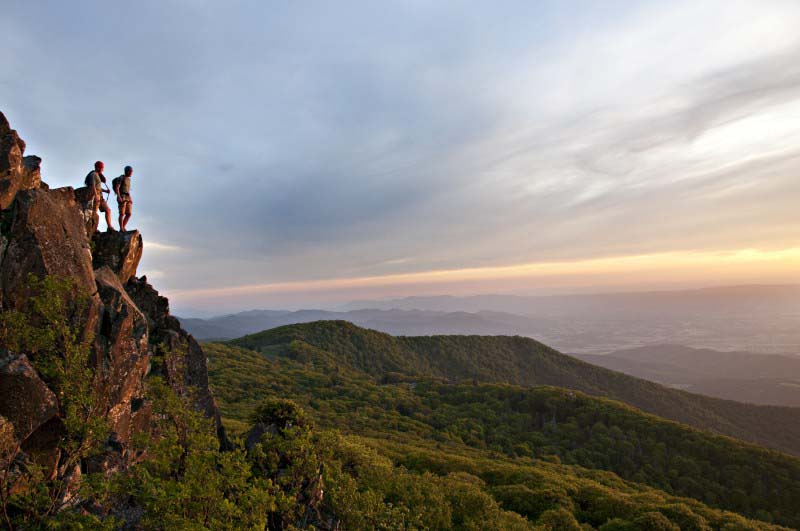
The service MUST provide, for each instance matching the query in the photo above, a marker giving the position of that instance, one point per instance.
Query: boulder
(16, 171)
(122, 349)
(31, 408)
(46, 237)
(28, 403)
(120, 251)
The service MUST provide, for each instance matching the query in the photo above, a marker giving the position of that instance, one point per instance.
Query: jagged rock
(16, 172)
(185, 362)
(91, 219)
(27, 402)
(122, 351)
(120, 251)
(46, 238)
(31, 408)
(45, 232)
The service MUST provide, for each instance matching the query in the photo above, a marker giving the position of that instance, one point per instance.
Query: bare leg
(121, 221)
(128, 210)
(108, 219)
(96, 216)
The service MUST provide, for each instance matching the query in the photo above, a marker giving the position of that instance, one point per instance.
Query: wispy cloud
(163, 247)
(621, 272)
(285, 144)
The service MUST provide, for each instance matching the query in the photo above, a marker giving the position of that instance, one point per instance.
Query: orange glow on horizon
(711, 267)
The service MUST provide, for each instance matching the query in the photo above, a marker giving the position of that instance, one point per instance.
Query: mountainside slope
(714, 363)
(526, 362)
(742, 376)
(493, 431)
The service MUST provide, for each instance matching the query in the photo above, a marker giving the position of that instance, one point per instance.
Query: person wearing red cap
(95, 181)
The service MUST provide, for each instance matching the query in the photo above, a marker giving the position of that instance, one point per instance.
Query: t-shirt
(96, 179)
(124, 185)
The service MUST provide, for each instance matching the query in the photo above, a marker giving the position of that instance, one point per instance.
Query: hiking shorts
(124, 204)
(101, 205)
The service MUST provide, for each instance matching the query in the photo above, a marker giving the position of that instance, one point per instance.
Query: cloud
(286, 143)
(163, 247)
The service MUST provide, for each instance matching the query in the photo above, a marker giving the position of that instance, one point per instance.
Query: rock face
(46, 237)
(27, 401)
(122, 348)
(16, 171)
(184, 360)
(121, 251)
(43, 232)
(31, 409)
(90, 218)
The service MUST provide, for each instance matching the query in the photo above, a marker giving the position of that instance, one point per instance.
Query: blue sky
(296, 154)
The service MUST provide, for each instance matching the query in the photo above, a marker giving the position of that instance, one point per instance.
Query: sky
(303, 154)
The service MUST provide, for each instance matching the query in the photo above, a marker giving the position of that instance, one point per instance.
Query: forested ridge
(526, 362)
(633, 463)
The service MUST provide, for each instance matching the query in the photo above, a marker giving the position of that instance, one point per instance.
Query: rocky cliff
(49, 233)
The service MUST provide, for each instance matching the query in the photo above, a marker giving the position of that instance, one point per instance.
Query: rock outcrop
(17, 172)
(184, 362)
(27, 401)
(91, 219)
(122, 348)
(46, 237)
(44, 232)
(121, 251)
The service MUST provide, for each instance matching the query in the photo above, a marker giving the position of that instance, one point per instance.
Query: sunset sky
(292, 154)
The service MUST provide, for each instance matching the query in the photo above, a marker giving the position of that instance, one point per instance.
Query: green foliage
(49, 330)
(558, 520)
(348, 448)
(285, 414)
(186, 482)
(435, 432)
(525, 362)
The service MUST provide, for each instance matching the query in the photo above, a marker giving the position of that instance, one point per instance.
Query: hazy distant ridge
(741, 376)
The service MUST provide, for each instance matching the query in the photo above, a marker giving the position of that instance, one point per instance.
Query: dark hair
(128, 169)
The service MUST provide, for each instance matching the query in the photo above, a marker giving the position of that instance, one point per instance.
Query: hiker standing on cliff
(95, 181)
(122, 189)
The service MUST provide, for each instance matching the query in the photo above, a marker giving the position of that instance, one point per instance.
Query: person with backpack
(122, 189)
(95, 181)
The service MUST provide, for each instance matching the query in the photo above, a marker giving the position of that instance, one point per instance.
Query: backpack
(89, 180)
(115, 182)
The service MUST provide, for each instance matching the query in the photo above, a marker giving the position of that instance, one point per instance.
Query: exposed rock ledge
(45, 232)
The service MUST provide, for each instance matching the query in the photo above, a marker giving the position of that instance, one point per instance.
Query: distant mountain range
(763, 319)
(754, 318)
(783, 298)
(741, 376)
(397, 322)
